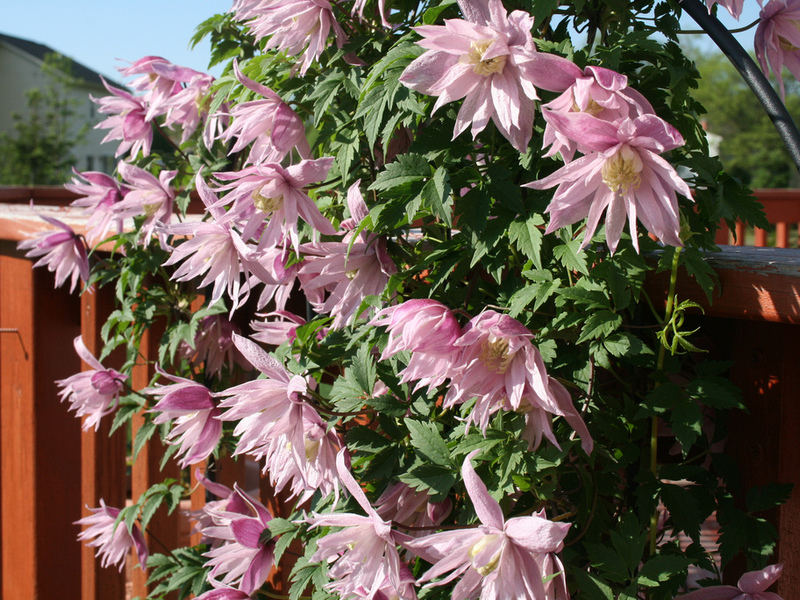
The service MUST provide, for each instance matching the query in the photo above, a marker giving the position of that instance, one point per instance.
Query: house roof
(39, 51)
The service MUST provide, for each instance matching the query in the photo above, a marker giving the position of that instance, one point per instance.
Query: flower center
(480, 66)
(351, 274)
(478, 547)
(312, 449)
(494, 354)
(592, 107)
(265, 204)
(622, 171)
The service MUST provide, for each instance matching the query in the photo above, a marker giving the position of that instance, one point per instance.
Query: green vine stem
(662, 354)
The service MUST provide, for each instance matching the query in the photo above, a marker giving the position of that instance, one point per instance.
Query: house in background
(21, 64)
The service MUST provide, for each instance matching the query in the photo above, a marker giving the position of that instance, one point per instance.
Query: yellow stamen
(494, 354)
(479, 546)
(622, 171)
(265, 204)
(481, 66)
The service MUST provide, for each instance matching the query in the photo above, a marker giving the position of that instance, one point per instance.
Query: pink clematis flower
(404, 505)
(351, 269)
(498, 559)
(196, 428)
(751, 586)
(429, 330)
(171, 90)
(63, 252)
(272, 193)
(149, 197)
(128, 122)
(211, 514)
(491, 61)
(270, 124)
(364, 551)
(623, 176)
(246, 556)
(94, 393)
(100, 194)
(732, 6)
(216, 253)
(777, 39)
(293, 26)
(601, 93)
(223, 593)
(213, 346)
(501, 369)
(112, 542)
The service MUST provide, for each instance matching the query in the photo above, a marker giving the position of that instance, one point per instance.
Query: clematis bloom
(270, 124)
(732, 6)
(491, 61)
(623, 176)
(196, 428)
(112, 542)
(93, 393)
(751, 586)
(777, 39)
(349, 270)
(499, 558)
(246, 555)
(502, 370)
(63, 252)
(364, 550)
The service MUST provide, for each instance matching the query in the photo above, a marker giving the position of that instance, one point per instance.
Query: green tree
(38, 151)
(750, 149)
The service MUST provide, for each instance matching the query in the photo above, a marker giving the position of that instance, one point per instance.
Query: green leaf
(436, 195)
(572, 257)
(527, 237)
(144, 433)
(408, 168)
(683, 509)
(427, 442)
(661, 568)
(591, 586)
(435, 479)
(150, 507)
(600, 324)
(363, 367)
(768, 497)
(686, 422)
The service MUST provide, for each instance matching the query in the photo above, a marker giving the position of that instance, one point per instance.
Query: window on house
(90, 163)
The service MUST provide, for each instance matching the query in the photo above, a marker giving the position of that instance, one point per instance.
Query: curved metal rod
(750, 72)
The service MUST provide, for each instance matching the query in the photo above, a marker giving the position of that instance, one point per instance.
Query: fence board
(102, 458)
(39, 442)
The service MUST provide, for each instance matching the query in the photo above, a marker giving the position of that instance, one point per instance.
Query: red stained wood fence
(50, 470)
(783, 211)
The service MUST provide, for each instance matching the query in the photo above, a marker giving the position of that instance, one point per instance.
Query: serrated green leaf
(143, 434)
(408, 168)
(572, 257)
(661, 568)
(150, 507)
(436, 196)
(427, 442)
(599, 324)
(435, 479)
(527, 237)
(363, 367)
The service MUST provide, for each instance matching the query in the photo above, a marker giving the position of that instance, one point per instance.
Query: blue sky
(95, 32)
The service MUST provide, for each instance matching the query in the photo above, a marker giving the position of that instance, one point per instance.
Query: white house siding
(20, 72)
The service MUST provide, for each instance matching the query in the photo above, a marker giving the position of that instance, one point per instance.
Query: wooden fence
(50, 470)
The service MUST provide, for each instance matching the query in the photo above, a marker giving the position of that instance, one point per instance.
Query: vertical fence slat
(39, 440)
(781, 235)
(760, 238)
(164, 530)
(102, 458)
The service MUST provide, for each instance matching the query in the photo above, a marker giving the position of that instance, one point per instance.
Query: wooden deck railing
(50, 471)
(783, 212)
